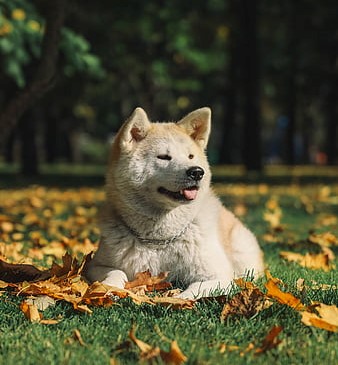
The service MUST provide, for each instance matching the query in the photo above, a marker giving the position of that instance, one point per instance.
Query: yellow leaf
(318, 261)
(30, 311)
(174, 303)
(284, 298)
(326, 239)
(326, 319)
(175, 356)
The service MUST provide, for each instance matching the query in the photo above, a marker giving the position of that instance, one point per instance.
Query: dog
(162, 215)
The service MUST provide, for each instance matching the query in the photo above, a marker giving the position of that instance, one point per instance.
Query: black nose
(196, 173)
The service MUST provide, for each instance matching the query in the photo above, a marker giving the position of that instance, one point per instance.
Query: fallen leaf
(327, 220)
(30, 311)
(240, 210)
(288, 299)
(273, 214)
(78, 337)
(7, 227)
(148, 352)
(327, 317)
(174, 303)
(223, 347)
(151, 283)
(3, 284)
(300, 284)
(307, 203)
(247, 302)
(326, 239)
(322, 260)
(15, 273)
(270, 341)
(175, 356)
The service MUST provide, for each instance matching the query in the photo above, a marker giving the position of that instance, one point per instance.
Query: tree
(32, 44)
(252, 153)
(42, 80)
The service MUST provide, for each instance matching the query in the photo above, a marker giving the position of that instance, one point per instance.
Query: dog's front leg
(205, 288)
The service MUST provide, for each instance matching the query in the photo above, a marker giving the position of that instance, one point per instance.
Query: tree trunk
(45, 72)
(331, 124)
(28, 152)
(294, 16)
(226, 155)
(250, 72)
(51, 138)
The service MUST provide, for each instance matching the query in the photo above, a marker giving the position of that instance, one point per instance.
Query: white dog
(162, 215)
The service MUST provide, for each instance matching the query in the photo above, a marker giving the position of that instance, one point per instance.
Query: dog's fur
(160, 216)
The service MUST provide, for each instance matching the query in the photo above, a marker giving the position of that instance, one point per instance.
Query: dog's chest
(182, 258)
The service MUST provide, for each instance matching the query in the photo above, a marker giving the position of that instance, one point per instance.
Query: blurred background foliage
(268, 70)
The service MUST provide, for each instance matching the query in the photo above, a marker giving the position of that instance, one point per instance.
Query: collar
(153, 241)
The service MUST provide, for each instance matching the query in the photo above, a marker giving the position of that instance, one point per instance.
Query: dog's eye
(191, 156)
(164, 157)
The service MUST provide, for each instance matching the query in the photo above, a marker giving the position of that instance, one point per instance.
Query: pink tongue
(190, 194)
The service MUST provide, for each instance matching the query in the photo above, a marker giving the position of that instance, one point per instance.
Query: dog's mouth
(186, 194)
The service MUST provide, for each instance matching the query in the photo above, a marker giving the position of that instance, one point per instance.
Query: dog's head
(160, 166)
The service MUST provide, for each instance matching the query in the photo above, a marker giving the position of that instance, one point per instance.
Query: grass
(199, 332)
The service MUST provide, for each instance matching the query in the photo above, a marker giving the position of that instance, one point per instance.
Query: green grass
(199, 332)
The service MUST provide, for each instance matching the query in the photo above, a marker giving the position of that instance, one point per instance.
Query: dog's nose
(196, 173)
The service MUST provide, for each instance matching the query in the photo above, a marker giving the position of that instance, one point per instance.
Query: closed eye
(164, 157)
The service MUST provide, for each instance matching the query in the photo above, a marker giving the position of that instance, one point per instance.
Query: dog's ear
(197, 125)
(135, 128)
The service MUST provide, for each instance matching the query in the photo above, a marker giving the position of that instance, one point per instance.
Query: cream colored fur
(202, 245)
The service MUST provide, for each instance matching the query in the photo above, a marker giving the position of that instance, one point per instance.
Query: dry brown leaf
(3, 284)
(322, 260)
(223, 347)
(240, 209)
(77, 336)
(30, 311)
(174, 303)
(175, 356)
(273, 214)
(68, 266)
(327, 220)
(300, 284)
(6, 227)
(146, 280)
(270, 341)
(274, 218)
(307, 203)
(247, 302)
(326, 239)
(327, 317)
(274, 292)
(243, 284)
(147, 351)
(15, 273)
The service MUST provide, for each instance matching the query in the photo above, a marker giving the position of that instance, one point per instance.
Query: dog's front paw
(186, 294)
(116, 278)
